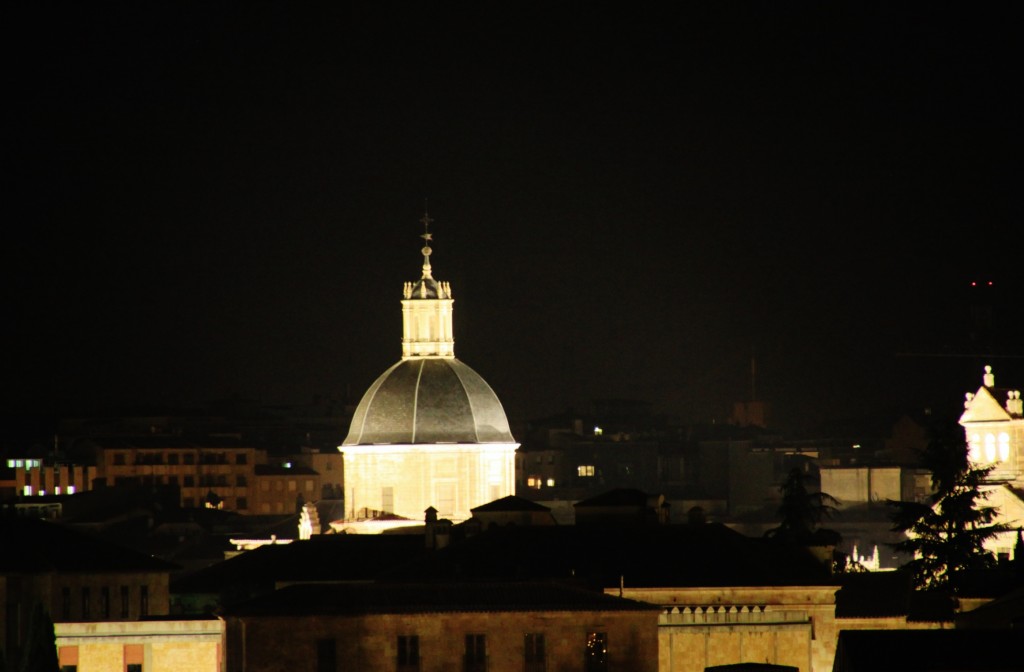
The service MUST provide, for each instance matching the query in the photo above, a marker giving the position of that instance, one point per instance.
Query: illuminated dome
(429, 400)
(429, 434)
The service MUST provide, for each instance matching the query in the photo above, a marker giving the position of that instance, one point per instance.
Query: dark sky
(208, 200)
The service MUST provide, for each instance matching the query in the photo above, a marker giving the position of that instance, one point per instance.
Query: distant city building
(429, 432)
(78, 579)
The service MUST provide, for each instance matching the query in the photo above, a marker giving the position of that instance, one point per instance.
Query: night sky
(209, 200)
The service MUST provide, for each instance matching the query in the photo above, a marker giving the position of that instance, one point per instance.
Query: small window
(534, 482)
(291, 485)
(326, 655)
(118, 458)
(124, 602)
(585, 470)
(240, 480)
(241, 458)
(172, 458)
(243, 503)
(595, 655)
(190, 481)
(533, 653)
(475, 658)
(86, 604)
(144, 601)
(133, 667)
(65, 600)
(408, 653)
(188, 458)
(104, 602)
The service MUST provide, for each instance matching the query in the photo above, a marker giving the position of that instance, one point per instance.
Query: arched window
(1004, 446)
(974, 448)
(990, 448)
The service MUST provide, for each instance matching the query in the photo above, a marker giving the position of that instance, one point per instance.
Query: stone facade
(785, 625)
(158, 646)
(369, 643)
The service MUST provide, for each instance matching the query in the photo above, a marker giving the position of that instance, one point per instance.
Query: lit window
(71, 489)
(598, 431)
(551, 482)
(28, 490)
(1004, 447)
(10, 464)
(990, 448)
(534, 482)
(585, 470)
(19, 463)
(974, 449)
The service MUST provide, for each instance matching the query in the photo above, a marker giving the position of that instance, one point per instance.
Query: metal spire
(427, 237)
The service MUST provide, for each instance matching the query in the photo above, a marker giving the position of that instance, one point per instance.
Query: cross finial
(426, 220)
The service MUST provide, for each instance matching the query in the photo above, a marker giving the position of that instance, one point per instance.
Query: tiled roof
(325, 557)
(355, 599)
(657, 555)
(510, 503)
(920, 650)
(32, 546)
(890, 594)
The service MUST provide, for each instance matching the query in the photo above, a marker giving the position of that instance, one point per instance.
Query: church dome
(429, 400)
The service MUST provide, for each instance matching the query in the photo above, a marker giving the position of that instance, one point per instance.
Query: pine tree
(946, 534)
(802, 512)
(40, 651)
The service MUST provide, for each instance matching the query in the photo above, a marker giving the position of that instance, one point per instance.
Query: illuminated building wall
(168, 645)
(429, 432)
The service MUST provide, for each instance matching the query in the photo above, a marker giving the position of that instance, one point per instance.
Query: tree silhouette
(802, 511)
(40, 651)
(946, 534)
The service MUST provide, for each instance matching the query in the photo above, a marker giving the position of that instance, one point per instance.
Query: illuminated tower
(429, 432)
(993, 422)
